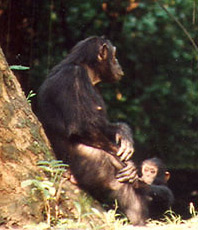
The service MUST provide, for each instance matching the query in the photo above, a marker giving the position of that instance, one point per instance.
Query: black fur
(74, 116)
(159, 194)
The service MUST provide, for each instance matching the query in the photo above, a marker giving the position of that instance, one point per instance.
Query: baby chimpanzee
(154, 177)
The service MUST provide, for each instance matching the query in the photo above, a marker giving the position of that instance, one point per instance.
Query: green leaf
(27, 183)
(19, 67)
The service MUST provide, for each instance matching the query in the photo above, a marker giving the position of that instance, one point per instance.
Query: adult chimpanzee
(153, 180)
(74, 117)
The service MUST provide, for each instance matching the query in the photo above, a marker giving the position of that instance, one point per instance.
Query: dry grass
(92, 219)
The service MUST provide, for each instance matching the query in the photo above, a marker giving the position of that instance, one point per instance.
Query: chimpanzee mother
(74, 117)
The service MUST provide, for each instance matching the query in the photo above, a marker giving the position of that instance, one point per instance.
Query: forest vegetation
(157, 47)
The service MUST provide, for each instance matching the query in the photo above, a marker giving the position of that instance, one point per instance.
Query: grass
(90, 218)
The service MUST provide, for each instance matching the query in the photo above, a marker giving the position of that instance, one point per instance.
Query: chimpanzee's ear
(167, 176)
(103, 52)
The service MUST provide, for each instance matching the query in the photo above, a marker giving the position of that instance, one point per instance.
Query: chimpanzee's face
(149, 172)
(109, 67)
(116, 69)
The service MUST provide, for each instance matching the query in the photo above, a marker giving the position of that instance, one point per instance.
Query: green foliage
(19, 67)
(160, 93)
(49, 187)
(45, 187)
(30, 95)
(92, 218)
(54, 169)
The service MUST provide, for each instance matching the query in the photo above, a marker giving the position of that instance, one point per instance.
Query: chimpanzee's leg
(95, 170)
(132, 202)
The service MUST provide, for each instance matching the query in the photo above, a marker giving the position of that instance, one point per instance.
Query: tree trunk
(22, 144)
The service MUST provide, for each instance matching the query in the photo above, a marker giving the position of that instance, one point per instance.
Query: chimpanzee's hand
(126, 149)
(125, 142)
(128, 173)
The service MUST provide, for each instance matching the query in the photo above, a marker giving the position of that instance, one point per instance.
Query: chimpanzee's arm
(161, 195)
(124, 139)
(114, 138)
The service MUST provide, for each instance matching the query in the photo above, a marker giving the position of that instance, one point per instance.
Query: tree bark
(22, 144)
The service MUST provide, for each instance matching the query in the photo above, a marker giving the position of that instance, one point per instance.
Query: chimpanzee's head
(154, 171)
(100, 55)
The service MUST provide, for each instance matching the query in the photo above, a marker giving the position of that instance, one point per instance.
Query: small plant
(97, 218)
(20, 67)
(49, 187)
(192, 210)
(171, 217)
(30, 95)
